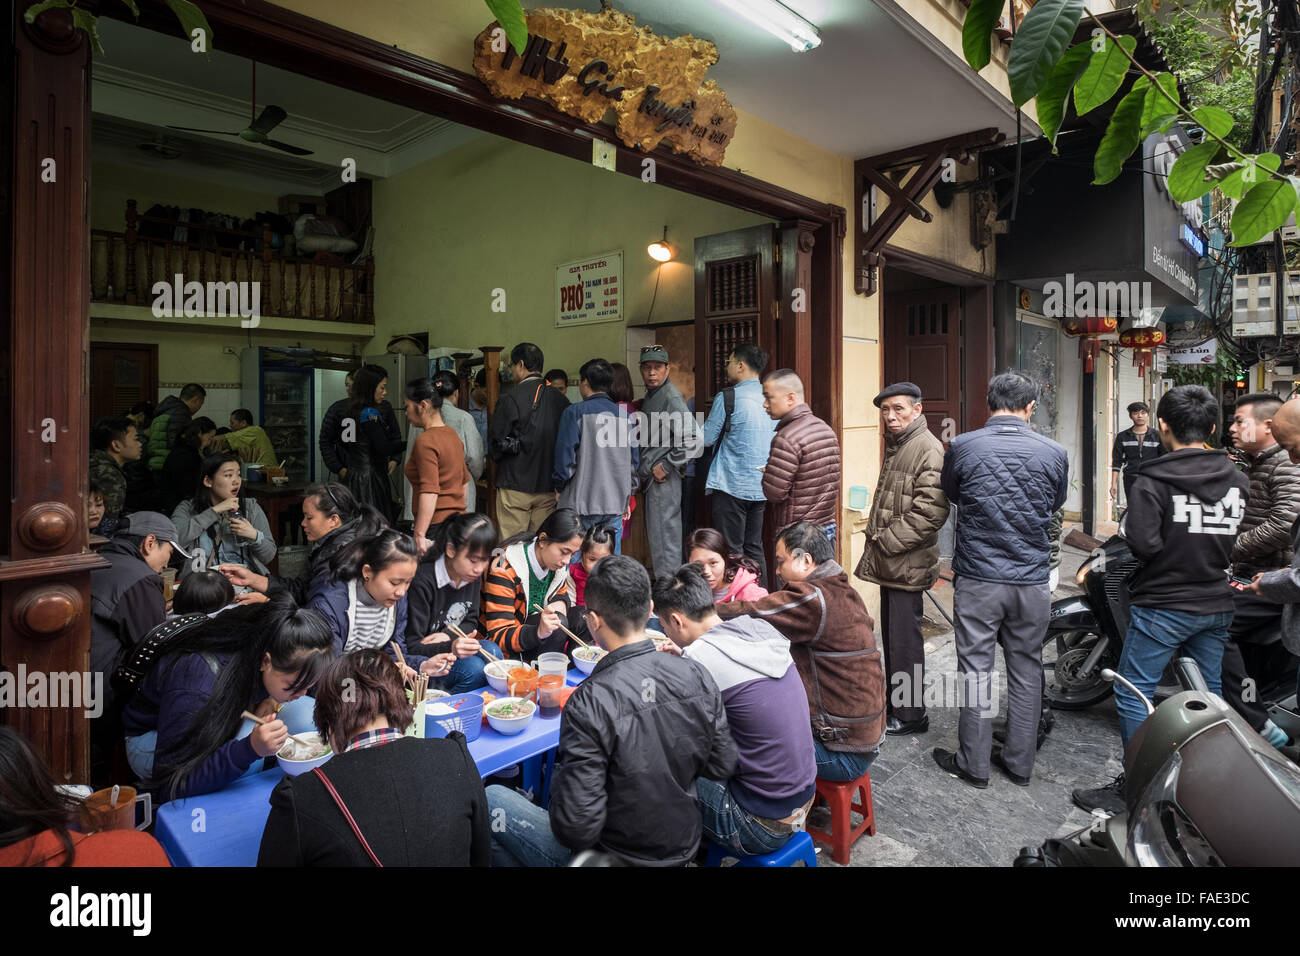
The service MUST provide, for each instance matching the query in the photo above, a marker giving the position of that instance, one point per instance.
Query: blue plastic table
(225, 828)
(574, 677)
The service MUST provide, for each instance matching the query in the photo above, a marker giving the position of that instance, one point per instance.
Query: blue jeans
(521, 832)
(1154, 636)
(839, 766)
(615, 523)
(297, 716)
(467, 673)
(729, 824)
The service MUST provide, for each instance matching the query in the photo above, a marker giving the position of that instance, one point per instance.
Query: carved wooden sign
(588, 64)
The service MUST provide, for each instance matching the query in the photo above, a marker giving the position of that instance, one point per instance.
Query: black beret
(902, 388)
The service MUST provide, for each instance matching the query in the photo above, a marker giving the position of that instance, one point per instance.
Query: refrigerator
(288, 390)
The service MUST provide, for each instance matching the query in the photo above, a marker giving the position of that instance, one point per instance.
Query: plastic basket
(468, 718)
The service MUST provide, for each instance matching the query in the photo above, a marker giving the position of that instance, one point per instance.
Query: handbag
(347, 815)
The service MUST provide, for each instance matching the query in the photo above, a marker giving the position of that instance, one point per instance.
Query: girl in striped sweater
(527, 570)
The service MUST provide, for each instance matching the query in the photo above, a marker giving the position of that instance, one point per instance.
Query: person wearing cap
(902, 549)
(668, 439)
(126, 602)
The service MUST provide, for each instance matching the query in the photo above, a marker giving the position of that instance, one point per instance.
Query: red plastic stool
(841, 797)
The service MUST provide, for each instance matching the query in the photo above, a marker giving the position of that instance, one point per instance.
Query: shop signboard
(1173, 241)
(1195, 353)
(589, 290)
(590, 64)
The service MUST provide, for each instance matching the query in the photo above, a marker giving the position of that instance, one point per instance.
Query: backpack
(134, 663)
(729, 409)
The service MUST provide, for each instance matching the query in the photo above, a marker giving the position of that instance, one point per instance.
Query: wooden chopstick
(401, 659)
(565, 629)
(461, 634)
(249, 715)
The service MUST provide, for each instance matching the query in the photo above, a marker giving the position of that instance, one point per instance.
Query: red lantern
(1143, 359)
(1094, 325)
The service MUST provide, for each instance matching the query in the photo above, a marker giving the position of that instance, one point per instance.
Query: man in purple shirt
(757, 810)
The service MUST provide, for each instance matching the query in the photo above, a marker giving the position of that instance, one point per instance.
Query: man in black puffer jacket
(635, 736)
(1006, 482)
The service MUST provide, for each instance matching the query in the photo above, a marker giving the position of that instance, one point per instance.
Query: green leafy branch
(1043, 65)
(190, 16)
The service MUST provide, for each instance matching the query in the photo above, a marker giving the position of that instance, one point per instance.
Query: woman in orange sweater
(527, 571)
(34, 819)
(436, 468)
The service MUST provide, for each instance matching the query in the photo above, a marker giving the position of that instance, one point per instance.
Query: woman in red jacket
(34, 819)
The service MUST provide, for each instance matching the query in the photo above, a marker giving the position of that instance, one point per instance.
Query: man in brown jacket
(802, 475)
(834, 648)
(902, 553)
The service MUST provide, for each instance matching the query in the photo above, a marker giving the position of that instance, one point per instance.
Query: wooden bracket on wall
(904, 177)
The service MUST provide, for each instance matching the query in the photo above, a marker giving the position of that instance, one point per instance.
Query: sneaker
(1275, 735)
(1109, 798)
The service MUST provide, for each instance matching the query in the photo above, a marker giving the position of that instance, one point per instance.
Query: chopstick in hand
(564, 629)
(249, 715)
(461, 634)
(401, 659)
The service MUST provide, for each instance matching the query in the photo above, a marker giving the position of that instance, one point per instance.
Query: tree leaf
(1042, 38)
(1232, 177)
(36, 9)
(1123, 134)
(85, 20)
(1264, 208)
(1213, 119)
(510, 14)
(191, 18)
(1187, 175)
(1051, 98)
(1158, 114)
(1104, 74)
(133, 7)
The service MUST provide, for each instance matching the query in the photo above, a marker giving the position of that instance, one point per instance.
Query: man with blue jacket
(1006, 482)
(595, 454)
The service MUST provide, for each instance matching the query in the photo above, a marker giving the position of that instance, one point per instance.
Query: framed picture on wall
(588, 291)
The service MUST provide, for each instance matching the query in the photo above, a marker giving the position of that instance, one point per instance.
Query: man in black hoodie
(1185, 510)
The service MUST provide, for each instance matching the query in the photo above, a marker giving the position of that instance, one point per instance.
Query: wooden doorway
(121, 375)
(923, 345)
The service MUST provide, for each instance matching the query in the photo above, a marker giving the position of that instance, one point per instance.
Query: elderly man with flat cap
(902, 551)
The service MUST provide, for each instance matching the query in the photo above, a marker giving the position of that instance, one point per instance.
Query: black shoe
(1001, 764)
(899, 728)
(947, 761)
(1044, 728)
(1109, 798)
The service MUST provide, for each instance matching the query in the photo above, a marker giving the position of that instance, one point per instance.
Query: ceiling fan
(262, 124)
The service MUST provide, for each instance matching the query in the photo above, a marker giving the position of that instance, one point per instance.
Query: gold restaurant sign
(586, 64)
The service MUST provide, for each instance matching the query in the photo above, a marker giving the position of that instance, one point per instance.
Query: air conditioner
(1253, 304)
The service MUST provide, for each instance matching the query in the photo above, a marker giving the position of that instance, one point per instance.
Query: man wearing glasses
(740, 433)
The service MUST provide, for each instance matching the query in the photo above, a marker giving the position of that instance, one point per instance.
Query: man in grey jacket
(668, 438)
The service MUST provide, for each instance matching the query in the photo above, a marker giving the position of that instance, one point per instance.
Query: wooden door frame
(150, 347)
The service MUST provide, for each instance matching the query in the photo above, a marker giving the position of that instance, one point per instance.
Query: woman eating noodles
(391, 800)
(364, 603)
(436, 468)
(184, 729)
(446, 594)
(531, 570)
(732, 577)
(222, 527)
(331, 518)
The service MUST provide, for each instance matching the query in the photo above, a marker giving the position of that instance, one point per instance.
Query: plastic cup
(552, 664)
(550, 694)
(857, 497)
(99, 813)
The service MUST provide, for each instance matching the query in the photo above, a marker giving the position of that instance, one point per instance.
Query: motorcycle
(1189, 752)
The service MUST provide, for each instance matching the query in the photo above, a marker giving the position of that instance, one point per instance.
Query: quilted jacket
(1006, 481)
(1264, 535)
(907, 512)
(802, 477)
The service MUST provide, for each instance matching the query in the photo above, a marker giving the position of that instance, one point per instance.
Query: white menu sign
(589, 290)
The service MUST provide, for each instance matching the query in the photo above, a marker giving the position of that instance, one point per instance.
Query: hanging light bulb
(660, 251)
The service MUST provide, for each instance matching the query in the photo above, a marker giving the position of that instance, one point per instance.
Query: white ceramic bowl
(509, 726)
(496, 674)
(295, 767)
(587, 665)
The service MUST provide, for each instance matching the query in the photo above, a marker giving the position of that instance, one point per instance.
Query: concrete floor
(926, 818)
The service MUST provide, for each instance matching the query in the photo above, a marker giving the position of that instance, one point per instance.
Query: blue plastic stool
(798, 847)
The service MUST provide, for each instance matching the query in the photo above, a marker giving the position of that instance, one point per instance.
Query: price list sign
(589, 290)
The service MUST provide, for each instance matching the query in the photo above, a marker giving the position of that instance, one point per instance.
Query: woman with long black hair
(446, 593)
(184, 732)
(220, 526)
(34, 817)
(367, 456)
(331, 518)
(184, 464)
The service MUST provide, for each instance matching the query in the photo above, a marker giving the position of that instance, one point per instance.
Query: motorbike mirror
(1110, 675)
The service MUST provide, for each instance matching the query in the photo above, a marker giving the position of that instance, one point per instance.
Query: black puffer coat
(1264, 535)
(318, 563)
(635, 736)
(1006, 481)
